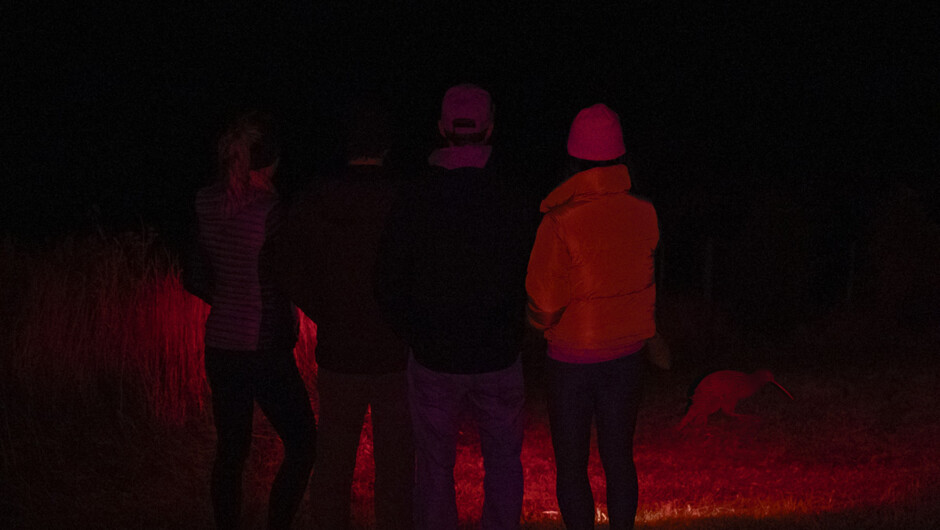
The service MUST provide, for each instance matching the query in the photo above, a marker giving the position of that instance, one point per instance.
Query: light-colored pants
(495, 400)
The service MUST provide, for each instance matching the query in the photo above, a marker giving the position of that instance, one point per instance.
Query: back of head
(248, 144)
(596, 135)
(249, 140)
(466, 115)
(368, 130)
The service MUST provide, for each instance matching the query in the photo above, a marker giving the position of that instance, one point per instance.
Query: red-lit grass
(104, 420)
(104, 319)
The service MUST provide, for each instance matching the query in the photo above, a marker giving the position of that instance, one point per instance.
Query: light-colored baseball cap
(466, 109)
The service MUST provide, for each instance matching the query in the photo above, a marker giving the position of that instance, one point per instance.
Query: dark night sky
(117, 107)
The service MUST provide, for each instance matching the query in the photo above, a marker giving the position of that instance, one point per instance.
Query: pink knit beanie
(596, 134)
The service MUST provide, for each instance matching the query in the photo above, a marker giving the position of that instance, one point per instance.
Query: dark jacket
(451, 270)
(327, 258)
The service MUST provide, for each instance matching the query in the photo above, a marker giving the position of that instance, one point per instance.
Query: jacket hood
(594, 182)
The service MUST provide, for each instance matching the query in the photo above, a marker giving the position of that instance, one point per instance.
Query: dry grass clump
(103, 323)
(98, 316)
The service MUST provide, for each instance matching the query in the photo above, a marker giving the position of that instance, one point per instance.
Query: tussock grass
(104, 322)
(98, 317)
(104, 420)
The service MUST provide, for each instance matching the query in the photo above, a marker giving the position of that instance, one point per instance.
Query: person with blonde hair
(252, 326)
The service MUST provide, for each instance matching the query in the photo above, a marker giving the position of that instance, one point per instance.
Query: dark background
(814, 110)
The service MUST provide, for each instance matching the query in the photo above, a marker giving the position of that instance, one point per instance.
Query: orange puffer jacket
(590, 277)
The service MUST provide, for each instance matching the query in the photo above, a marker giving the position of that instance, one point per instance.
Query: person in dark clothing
(450, 279)
(328, 259)
(252, 327)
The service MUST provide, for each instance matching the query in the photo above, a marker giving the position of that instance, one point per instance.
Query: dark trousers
(609, 393)
(344, 399)
(495, 400)
(238, 379)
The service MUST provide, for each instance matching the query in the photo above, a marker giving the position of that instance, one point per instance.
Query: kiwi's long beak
(784, 389)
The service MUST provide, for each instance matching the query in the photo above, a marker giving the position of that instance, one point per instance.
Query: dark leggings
(238, 379)
(609, 393)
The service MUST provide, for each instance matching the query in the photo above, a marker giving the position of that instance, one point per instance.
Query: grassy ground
(856, 449)
(103, 418)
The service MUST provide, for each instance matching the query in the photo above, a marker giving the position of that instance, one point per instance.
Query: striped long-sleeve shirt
(248, 311)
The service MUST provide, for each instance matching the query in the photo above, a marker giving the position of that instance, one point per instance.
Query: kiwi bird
(723, 390)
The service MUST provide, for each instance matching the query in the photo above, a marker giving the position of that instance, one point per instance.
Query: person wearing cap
(592, 292)
(252, 326)
(328, 255)
(451, 274)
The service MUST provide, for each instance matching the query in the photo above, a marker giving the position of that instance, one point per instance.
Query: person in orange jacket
(592, 291)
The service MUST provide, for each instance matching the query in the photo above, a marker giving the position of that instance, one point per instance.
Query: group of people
(421, 289)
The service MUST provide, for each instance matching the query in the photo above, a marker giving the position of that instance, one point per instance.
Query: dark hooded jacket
(327, 258)
(451, 269)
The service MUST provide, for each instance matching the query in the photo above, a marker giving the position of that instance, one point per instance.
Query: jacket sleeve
(548, 281)
(393, 271)
(297, 255)
(283, 321)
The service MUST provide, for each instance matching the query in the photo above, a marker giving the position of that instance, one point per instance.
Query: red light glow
(729, 470)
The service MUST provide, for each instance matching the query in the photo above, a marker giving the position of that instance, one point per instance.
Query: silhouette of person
(592, 291)
(450, 278)
(329, 257)
(252, 326)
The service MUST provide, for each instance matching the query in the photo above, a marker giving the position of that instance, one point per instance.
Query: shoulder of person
(644, 203)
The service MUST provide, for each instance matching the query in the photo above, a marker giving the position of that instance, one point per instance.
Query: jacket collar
(462, 156)
(589, 184)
